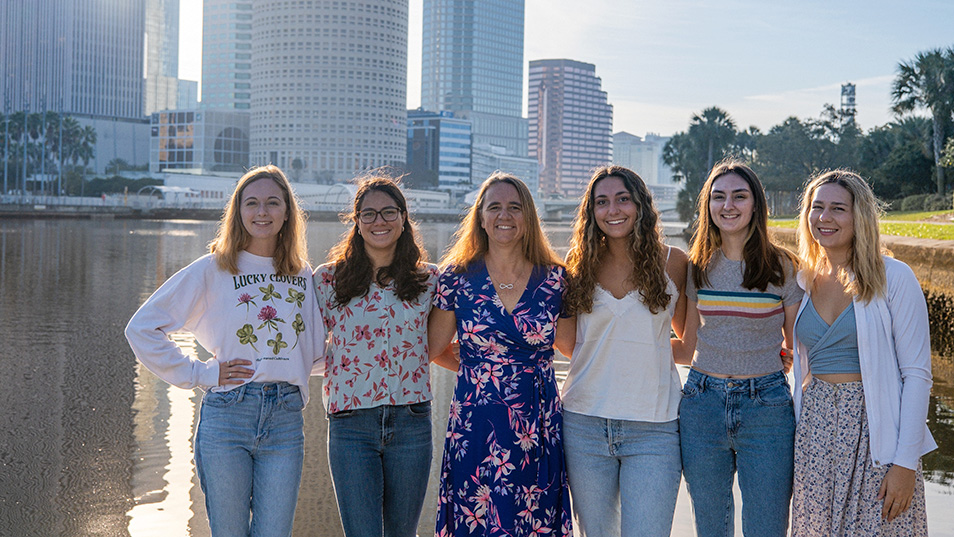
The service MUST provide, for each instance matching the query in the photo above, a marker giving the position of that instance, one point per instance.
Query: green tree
(711, 136)
(927, 81)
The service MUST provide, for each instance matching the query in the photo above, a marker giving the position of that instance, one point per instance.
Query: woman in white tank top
(622, 394)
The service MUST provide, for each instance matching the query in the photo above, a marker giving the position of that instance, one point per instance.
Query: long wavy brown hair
(588, 246)
(291, 251)
(865, 257)
(763, 259)
(354, 270)
(470, 240)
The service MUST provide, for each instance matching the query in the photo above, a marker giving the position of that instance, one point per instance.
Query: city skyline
(760, 61)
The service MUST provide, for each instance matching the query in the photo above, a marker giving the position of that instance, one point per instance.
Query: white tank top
(622, 364)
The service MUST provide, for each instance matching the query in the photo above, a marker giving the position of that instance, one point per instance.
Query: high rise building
(227, 54)
(571, 124)
(438, 151)
(329, 86)
(81, 57)
(644, 156)
(472, 65)
(162, 56)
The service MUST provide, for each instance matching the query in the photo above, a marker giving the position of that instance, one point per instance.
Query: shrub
(914, 203)
(937, 202)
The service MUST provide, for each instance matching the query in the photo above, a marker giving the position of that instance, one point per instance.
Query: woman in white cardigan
(863, 357)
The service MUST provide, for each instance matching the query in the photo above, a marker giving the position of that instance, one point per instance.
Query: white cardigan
(894, 346)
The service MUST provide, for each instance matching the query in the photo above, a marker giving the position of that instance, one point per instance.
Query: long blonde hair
(291, 251)
(763, 259)
(865, 251)
(470, 240)
(646, 247)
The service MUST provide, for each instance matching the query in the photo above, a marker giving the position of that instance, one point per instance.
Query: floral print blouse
(376, 352)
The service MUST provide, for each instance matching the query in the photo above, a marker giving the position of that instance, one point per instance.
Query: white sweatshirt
(255, 315)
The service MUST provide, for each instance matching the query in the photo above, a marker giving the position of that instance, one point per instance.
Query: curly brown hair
(588, 245)
(763, 259)
(354, 270)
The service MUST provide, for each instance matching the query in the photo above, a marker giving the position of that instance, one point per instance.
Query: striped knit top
(740, 330)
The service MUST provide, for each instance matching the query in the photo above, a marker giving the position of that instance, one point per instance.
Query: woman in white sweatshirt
(863, 362)
(249, 303)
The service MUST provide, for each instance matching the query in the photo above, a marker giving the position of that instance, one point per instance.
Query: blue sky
(663, 60)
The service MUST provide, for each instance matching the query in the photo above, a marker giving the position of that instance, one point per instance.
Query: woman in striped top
(736, 412)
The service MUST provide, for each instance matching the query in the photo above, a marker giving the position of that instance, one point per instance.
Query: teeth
(613, 222)
(380, 232)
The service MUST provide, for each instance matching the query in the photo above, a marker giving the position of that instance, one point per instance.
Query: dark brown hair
(763, 259)
(354, 270)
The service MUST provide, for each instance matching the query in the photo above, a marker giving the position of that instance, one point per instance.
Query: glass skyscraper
(162, 55)
(227, 54)
(472, 65)
(571, 124)
(82, 57)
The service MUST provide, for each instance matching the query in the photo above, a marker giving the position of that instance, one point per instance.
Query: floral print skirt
(836, 485)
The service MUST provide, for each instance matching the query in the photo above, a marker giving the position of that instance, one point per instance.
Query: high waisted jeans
(249, 447)
(738, 424)
(624, 475)
(380, 459)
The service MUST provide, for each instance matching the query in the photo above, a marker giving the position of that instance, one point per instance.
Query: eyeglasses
(388, 214)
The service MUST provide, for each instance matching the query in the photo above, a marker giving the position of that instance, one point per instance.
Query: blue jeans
(744, 424)
(380, 460)
(249, 447)
(624, 475)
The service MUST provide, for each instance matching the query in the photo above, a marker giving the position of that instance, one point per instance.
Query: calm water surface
(94, 444)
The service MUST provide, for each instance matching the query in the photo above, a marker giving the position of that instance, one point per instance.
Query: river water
(92, 444)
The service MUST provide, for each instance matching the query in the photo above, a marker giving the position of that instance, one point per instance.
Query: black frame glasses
(388, 214)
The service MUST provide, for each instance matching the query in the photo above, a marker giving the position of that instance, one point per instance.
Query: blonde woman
(249, 302)
(863, 360)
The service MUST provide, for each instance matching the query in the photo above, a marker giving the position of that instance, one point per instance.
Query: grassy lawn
(900, 224)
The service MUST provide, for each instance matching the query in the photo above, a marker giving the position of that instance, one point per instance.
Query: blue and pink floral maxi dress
(502, 471)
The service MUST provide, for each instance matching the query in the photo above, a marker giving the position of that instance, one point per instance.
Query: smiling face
(501, 214)
(380, 236)
(831, 218)
(264, 212)
(731, 205)
(614, 209)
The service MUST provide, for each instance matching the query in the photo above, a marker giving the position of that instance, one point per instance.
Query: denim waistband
(752, 385)
(267, 388)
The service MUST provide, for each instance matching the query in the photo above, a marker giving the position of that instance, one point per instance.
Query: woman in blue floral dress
(501, 291)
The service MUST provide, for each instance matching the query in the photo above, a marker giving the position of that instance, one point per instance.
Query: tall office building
(329, 86)
(472, 65)
(438, 151)
(227, 54)
(162, 56)
(82, 57)
(571, 124)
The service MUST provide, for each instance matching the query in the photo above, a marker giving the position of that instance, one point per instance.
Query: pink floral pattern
(502, 472)
(377, 346)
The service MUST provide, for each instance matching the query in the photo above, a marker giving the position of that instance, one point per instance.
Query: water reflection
(94, 444)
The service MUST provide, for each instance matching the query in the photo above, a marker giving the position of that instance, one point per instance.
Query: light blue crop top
(831, 349)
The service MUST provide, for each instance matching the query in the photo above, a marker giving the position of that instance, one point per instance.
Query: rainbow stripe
(752, 305)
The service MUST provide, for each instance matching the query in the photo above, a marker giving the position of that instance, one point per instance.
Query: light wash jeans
(249, 447)
(624, 475)
(380, 460)
(738, 424)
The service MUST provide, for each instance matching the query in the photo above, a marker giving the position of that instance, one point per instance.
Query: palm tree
(928, 82)
(715, 130)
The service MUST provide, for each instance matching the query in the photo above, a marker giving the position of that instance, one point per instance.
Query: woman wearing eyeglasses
(375, 293)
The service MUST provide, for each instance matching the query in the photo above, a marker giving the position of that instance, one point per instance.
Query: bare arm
(678, 267)
(566, 335)
(441, 327)
(684, 348)
(788, 329)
